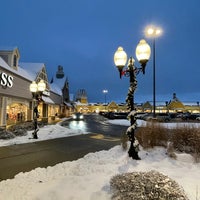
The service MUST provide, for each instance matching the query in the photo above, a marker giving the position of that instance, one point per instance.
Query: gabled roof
(4, 64)
(20, 72)
(112, 105)
(8, 48)
(32, 68)
(147, 105)
(176, 105)
(57, 85)
(55, 88)
(37, 71)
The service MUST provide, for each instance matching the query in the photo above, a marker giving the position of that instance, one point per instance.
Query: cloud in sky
(82, 36)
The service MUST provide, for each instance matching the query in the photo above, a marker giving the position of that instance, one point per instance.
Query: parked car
(141, 115)
(194, 116)
(78, 116)
(198, 118)
(190, 116)
(161, 117)
(185, 116)
(117, 115)
(147, 117)
(173, 115)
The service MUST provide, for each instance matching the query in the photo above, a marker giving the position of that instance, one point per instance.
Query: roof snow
(20, 72)
(57, 84)
(8, 48)
(32, 68)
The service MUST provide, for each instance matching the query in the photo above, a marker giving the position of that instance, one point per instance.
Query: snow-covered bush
(150, 185)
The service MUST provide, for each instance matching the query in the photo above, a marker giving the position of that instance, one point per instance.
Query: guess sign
(6, 80)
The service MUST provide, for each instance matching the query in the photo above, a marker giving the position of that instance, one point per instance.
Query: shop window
(16, 113)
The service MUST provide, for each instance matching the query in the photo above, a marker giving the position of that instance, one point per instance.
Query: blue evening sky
(82, 36)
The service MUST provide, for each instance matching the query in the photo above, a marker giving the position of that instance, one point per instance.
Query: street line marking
(102, 137)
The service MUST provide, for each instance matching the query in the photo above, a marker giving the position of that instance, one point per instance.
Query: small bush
(6, 135)
(181, 138)
(187, 139)
(18, 130)
(150, 185)
(152, 135)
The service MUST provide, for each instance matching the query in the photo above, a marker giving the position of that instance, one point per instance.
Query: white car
(198, 118)
(77, 116)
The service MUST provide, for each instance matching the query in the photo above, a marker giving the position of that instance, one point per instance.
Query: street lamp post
(153, 32)
(105, 93)
(36, 90)
(198, 106)
(143, 52)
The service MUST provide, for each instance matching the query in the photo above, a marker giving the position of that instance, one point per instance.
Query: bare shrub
(124, 140)
(6, 135)
(181, 138)
(152, 135)
(187, 139)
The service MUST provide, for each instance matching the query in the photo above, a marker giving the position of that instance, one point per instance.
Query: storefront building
(16, 100)
(15, 97)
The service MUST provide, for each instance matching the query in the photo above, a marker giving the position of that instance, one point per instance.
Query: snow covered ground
(88, 178)
(46, 133)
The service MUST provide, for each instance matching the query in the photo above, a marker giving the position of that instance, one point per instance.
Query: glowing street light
(36, 89)
(153, 32)
(143, 53)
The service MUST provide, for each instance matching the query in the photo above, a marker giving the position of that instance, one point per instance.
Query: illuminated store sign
(6, 80)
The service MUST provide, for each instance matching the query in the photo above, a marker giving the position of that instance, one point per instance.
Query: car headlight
(74, 116)
(81, 116)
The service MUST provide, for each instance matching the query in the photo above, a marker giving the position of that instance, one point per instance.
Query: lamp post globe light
(36, 89)
(153, 32)
(143, 52)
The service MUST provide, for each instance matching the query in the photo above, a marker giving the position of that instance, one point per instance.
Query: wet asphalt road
(25, 157)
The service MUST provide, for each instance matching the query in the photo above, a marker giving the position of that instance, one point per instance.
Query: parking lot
(161, 117)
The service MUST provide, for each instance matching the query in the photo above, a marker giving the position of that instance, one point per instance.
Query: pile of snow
(89, 177)
(45, 133)
(142, 123)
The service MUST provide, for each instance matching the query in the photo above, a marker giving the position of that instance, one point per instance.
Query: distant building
(175, 105)
(61, 87)
(81, 96)
(146, 107)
